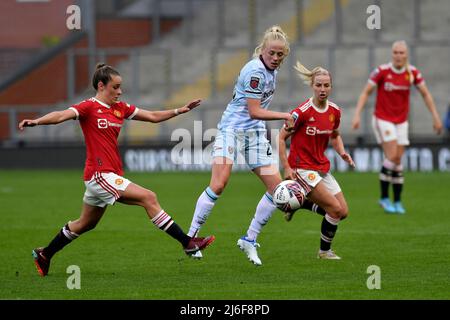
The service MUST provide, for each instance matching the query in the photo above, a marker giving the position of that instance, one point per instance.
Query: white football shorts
(241, 146)
(386, 131)
(103, 189)
(312, 178)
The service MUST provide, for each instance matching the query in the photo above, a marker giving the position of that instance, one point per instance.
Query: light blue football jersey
(255, 81)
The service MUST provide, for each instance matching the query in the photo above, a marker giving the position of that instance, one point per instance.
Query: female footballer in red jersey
(101, 119)
(316, 123)
(390, 119)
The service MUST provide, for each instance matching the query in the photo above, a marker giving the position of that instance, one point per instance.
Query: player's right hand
(355, 122)
(27, 123)
(437, 126)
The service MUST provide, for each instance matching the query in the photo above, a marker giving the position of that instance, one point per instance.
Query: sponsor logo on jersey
(312, 131)
(254, 82)
(102, 123)
(389, 86)
(267, 95)
(118, 181)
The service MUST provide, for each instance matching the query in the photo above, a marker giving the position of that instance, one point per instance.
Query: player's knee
(218, 186)
(150, 199)
(396, 159)
(338, 212)
(344, 214)
(343, 211)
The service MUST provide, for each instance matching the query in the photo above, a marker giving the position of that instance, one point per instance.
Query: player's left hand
(289, 124)
(191, 105)
(437, 126)
(348, 158)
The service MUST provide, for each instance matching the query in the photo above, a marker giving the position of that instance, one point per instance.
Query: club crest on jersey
(102, 123)
(254, 82)
(117, 113)
(331, 117)
(407, 77)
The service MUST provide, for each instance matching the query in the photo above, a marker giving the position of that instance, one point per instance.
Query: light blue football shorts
(244, 146)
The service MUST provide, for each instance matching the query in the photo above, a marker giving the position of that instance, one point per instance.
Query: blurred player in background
(242, 130)
(316, 123)
(390, 119)
(101, 119)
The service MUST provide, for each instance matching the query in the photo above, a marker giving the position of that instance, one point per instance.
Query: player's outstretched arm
(163, 115)
(54, 117)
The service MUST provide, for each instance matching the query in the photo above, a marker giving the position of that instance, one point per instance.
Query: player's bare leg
(137, 195)
(270, 176)
(220, 174)
(90, 215)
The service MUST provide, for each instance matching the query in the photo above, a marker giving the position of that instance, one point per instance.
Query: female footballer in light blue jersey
(242, 130)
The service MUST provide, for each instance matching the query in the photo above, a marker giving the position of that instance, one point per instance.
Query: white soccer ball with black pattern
(289, 196)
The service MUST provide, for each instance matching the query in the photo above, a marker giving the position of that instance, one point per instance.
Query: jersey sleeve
(375, 76)
(418, 78)
(298, 117)
(82, 109)
(254, 85)
(337, 120)
(130, 111)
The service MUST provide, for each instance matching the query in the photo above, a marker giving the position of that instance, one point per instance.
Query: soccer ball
(289, 196)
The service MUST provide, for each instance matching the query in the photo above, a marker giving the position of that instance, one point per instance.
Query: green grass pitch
(126, 257)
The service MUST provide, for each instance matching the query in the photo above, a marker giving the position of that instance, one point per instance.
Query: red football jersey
(101, 124)
(393, 91)
(312, 131)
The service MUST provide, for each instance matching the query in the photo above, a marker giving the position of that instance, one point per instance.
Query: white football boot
(198, 255)
(249, 247)
(329, 255)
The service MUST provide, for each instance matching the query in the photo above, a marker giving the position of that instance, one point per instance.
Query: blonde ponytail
(411, 75)
(308, 76)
